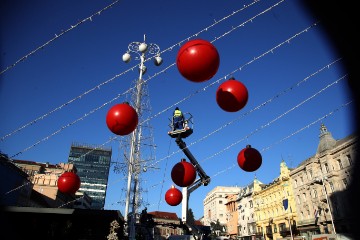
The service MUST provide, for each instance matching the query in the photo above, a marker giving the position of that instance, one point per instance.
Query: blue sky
(294, 77)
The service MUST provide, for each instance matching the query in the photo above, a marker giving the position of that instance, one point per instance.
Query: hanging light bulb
(143, 69)
(126, 57)
(143, 47)
(158, 61)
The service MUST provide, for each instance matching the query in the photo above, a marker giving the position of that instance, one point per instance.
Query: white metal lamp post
(321, 181)
(143, 50)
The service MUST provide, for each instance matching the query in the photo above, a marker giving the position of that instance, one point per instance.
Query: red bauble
(198, 60)
(249, 159)
(122, 119)
(68, 183)
(232, 95)
(183, 173)
(173, 196)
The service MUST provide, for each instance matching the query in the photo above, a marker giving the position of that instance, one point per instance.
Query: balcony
(306, 222)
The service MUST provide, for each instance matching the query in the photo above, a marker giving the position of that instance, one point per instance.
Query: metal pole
(327, 198)
(291, 235)
(142, 49)
(328, 203)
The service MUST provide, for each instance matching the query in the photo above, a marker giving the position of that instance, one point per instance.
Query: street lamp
(143, 50)
(321, 181)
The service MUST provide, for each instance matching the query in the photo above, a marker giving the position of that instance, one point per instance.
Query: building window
(295, 183)
(282, 227)
(301, 180)
(331, 186)
(340, 164)
(251, 204)
(310, 174)
(298, 199)
(304, 197)
(349, 159)
(315, 194)
(326, 168)
(220, 202)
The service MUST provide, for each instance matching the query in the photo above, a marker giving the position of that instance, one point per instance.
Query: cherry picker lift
(203, 178)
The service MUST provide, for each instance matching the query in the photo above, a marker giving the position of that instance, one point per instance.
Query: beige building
(232, 215)
(44, 177)
(246, 216)
(214, 204)
(320, 184)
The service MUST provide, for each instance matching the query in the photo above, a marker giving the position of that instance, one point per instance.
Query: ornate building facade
(320, 185)
(308, 200)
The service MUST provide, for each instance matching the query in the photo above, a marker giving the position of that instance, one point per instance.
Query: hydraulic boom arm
(203, 180)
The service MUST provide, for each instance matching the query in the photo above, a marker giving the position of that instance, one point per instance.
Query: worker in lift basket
(178, 119)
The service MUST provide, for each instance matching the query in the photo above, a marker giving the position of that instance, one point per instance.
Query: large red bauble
(198, 60)
(173, 196)
(249, 159)
(183, 173)
(68, 183)
(232, 95)
(122, 119)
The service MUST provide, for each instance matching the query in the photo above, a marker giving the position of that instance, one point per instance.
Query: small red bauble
(183, 173)
(249, 159)
(122, 119)
(68, 183)
(173, 196)
(198, 60)
(232, 95)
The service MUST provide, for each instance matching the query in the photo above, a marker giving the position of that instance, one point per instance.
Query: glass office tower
(93, 165)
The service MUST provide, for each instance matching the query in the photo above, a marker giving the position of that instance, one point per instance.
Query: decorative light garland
(57, 36)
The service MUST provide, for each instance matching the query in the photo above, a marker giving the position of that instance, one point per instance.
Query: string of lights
(247, 136)
(280, 116)
(203, 89)
(260, 106)
(265, 148)
(132, 68)
(192, 94)
(236, 70)
(294, 133)
(72, 201)
(72, 27)
(228, 147)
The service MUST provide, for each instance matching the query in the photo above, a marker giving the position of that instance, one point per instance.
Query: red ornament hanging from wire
(68, 183)
(198, 60)
(249, 159)
(183, 173)
(173, 196)
(122, 119)
(232, 95)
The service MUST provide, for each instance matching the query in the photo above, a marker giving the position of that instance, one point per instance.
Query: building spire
(326, 140)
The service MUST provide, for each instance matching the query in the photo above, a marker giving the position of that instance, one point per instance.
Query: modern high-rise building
(93, 165)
